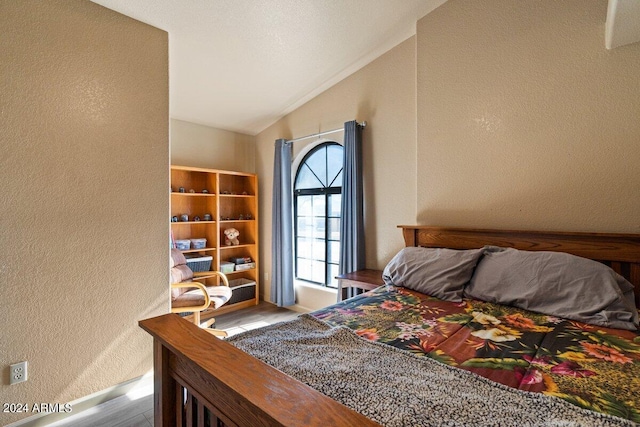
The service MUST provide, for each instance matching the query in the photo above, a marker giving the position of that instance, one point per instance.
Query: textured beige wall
(525, 120)
(83, 218)
(206, 147)
(383, 94)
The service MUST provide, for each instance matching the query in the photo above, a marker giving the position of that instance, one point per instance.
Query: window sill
(304, 284)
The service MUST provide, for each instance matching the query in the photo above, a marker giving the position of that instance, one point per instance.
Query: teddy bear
(231, 235)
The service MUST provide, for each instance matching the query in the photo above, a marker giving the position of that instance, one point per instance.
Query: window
(317, 205)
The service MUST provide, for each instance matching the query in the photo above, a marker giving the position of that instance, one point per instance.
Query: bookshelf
(206, 202)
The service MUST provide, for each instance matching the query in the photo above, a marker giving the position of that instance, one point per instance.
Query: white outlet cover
(18, 373)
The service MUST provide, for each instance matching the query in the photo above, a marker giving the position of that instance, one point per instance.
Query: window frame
(326, 192)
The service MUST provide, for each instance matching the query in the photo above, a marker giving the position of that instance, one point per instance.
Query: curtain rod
(363, 124)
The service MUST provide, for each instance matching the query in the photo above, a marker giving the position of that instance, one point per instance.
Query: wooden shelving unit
(231, 198)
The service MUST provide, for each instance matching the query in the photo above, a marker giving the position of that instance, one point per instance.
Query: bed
(467, 362)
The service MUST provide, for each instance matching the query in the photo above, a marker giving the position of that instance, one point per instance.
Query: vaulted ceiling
(242, 64)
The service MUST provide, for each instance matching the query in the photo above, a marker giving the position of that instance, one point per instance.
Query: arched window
(317, 206)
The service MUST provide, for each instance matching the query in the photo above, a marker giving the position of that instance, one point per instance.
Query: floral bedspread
(594, 367)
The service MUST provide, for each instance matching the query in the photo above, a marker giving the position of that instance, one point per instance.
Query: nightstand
(362, 279)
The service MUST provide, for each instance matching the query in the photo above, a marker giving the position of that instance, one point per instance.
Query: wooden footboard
(201, 380)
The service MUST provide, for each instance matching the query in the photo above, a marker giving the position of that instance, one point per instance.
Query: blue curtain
(352, 249)
(282, 292)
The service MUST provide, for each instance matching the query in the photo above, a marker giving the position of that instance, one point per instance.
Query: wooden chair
(200, 298)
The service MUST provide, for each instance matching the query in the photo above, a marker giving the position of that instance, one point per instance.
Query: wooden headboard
(621, 252)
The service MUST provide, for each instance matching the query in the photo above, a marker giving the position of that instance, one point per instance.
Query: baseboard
(135, 385)
(299, 309)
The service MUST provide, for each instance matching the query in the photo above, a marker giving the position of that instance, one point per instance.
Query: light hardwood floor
(136, 409)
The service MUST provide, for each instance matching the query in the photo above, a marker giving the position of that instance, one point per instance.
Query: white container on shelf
(198, 243)
(183, 244)
(226, 267)
(247, 266)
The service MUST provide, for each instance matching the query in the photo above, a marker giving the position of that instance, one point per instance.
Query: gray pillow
(555, 283)
(441, 273)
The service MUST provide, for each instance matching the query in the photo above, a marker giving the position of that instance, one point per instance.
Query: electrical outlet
(18, 372)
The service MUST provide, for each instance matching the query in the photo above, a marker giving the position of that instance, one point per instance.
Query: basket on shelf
(198, 263)
(242, 290)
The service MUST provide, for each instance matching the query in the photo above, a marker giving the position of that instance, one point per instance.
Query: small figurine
(207, 217)
(231, 235)
(181, 190)
(174, 219)
(184, 218)
(196, 218)
(205, 191)
(192, 191)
